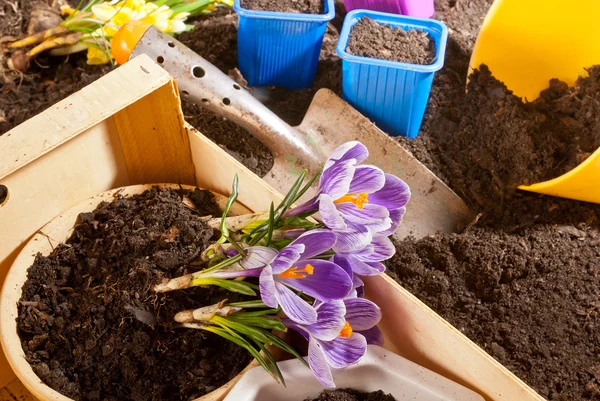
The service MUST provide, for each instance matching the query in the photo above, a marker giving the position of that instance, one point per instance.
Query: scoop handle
(205, 85)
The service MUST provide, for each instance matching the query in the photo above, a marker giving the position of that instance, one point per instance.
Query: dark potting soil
(286, 6)
(348, 394)
(90, 324)
(531, 299)
(372, 39)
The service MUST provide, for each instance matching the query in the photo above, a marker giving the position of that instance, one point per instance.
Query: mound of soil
(90, 324)
(348, 394)
(286, 6)
(531, 300)
(369, 38)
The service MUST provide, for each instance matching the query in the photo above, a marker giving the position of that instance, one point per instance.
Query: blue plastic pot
(392, 94)
(280, 49)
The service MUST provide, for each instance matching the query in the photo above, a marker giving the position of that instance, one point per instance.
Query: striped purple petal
(349, 150)
(330, 321)
(396, 216)
(318, 364)
(327, 282)
(353, 240)
(330, 214)
(369, 214)
(257, 257)
(336, 180)
(293, 306)
(394, 194)
(361, 313)
(287, 257)
(367, 179)
(236, 273)
(344, 351)
(267, 287)
(383, 249)
(364, 268)
(315, 242)
(373, 335)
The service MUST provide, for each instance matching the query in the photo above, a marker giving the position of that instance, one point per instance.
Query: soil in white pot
(90, 324)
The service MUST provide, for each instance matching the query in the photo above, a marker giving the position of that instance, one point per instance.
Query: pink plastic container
(414, 8)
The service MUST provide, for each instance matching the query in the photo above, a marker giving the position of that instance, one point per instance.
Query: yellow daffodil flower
(96, 56)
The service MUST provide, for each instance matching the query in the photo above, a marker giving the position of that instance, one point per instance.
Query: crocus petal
(258, 257)
(361, 313)
(373, 335)
(287, 257)
(349, 150)
(394, 194)
(330, 215)
(293, 306)
(353, 240)
(335, 181)
(328, 281)
(396, 216)
(308, 206)
(364, 268)
(369, 214)
(378, 226)
(315, 242)
(344, 351)
(383, 249)
(360, 288)
(342, 261)
(318, 364)
(267, 287)
(330, 321)
(367, 179)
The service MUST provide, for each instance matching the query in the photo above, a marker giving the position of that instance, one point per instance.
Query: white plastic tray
(379, 369)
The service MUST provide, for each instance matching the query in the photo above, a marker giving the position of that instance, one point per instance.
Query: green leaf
(271, 225)
(278, 342)
(275, 367)
(190, 7)
(224, 263)
(248, 304)
(308, 185)
(258, 321)
(230, 202)
(260, 312)
(241, 287)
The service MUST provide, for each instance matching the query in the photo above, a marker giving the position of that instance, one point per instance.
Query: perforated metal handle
(204, 84)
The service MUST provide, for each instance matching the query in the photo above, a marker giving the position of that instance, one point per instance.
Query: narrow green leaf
(275, 368)
(241, 287)
(248, 304)
(230, 202)
(257, 321)
(271, 225)
(278, 342)
(224, 263)
(308, 185)
(260, 313)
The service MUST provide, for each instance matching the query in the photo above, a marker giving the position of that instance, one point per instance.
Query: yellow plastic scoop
(527, 43)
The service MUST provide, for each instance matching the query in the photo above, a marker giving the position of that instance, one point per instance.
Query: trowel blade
(433, 206)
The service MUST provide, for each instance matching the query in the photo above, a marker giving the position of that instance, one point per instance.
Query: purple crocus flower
(366, 261)
(352, 197)
(336, 340)
(293, 269)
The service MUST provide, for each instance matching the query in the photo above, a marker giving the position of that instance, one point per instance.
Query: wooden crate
(127, 128)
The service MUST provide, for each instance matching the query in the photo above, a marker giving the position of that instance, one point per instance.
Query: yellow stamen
(346, 331)
(293, 272)
(359, 200)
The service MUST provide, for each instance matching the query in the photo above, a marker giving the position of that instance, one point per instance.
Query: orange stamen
(346, 331)
(359, 200)
(293, 272)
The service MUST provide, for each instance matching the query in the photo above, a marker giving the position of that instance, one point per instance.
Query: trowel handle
(205, 85)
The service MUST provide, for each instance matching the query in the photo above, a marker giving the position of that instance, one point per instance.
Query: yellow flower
(96, 56)
(226, 2)
(160, 18)
(115, 15)
(177, 23)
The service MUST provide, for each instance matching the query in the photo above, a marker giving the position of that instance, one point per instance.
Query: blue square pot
(280, 49)
(392, 94)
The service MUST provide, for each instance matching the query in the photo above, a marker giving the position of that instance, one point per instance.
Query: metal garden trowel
(328, 123)
(527, 43)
